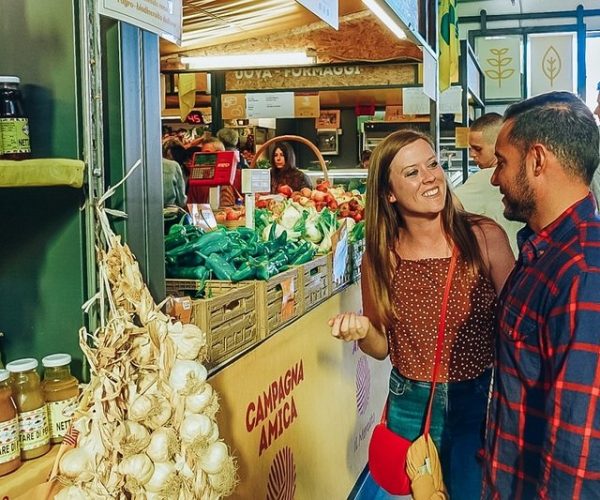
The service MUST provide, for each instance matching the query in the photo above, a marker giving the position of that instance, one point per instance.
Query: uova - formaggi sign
(297, 72)
(275, 409)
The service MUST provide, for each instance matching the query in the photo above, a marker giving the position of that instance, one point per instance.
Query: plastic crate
(228, 317)
(180, 287)
(357, 249)
(271, 312)
(314, 281)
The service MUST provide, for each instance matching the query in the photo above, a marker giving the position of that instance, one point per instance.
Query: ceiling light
(385, 18)
(264, 60)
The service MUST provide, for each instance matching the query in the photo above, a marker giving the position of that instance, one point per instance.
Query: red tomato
(324, 186)
(285, 190)
(358, 216)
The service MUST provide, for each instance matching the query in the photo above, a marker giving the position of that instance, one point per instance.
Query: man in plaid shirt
(543, 436)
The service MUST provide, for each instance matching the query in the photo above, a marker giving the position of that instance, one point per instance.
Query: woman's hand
(349, 326)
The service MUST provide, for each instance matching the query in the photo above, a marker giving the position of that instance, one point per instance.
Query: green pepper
(272, 269)
(223, 269)
(304, 257)
(191, 259)
(189, 273)
(244, 272)
(176, 229)
(175, 240)
(245, 232)
(279, 259)
(215, 246)
(261, 270)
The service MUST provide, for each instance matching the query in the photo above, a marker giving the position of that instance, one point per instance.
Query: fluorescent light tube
(385, 18)
(264, 60)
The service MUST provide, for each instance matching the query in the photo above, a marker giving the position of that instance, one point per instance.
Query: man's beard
(519, 202)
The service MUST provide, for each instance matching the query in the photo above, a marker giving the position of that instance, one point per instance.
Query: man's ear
(539, 155)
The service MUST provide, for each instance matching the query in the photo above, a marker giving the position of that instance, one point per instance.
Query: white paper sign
(256, 180)
(270, 105)
(430, 75)
(162, 17)
(552, 63)
(415, 101)
(451, 100)
(325, 9)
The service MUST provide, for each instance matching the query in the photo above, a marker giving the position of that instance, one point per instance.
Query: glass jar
(34, 432)
(10, 454)
(61, 390)
(14, 126)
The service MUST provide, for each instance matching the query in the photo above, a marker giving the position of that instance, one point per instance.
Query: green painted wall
(41, 238)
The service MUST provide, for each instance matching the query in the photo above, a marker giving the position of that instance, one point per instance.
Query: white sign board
(256, 180)
(162, 17)
(415, 101)
(325, 9)
(270, 105)
(451, 100)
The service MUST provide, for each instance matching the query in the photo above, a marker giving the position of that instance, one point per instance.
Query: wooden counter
(31, 473)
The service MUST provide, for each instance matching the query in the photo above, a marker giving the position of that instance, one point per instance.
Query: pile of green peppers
(230, 254)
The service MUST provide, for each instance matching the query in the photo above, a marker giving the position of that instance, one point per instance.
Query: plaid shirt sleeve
(571, 356)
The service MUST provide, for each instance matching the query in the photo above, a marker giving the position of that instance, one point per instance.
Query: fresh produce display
(232, 254)
(348, 204)
(146, 421)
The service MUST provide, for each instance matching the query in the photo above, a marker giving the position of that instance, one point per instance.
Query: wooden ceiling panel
(210, 22)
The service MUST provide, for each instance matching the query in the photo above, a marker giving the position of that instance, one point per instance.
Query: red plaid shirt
(543, 437)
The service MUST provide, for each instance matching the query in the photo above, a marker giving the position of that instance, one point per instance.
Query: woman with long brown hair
(413, 227)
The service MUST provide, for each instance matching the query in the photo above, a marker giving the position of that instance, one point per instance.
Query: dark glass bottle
(14, 126)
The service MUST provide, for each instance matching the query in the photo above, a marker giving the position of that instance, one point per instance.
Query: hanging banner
(552, 63)
(325, 9)
(162, 17)
(500, 60)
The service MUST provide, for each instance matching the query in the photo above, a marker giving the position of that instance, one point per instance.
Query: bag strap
(439, 345)
(440, 340)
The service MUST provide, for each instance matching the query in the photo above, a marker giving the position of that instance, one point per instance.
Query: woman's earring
(392, 198)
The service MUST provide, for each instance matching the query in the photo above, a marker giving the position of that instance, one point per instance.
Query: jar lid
(4, 374)
(10, 79)
(22, 365)
(54, 360)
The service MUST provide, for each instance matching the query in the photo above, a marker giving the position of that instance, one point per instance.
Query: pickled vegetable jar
(14, 126)
(61, 390)
(34, 431)
(10, 454)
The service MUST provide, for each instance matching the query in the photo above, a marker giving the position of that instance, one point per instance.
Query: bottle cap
(54, 360)
(4, 374)
(10, 79)
(22, 365)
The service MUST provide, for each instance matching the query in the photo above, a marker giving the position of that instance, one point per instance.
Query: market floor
(370, 491)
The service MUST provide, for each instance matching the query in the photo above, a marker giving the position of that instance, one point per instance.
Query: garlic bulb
(224, 482)
(142, 350)
(152, 410)
(163, 445)
(195, 429)
(188, 339)
(164, 480)
(198, 401)
(139, 408)
(71, 493)
(75, 464)
(187, 376)
(137, 469)
(131, 438)
(213, 459)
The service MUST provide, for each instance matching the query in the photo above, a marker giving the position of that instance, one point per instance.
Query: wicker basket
(295, 138)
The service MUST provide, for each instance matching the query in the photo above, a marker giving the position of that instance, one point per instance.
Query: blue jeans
(457, 424)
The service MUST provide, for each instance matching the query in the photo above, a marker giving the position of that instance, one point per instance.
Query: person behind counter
(230, 139)
(414, 230)
(173, 179)
(284, 171)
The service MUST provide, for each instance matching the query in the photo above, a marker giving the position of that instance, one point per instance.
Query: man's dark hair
(489, 125)
(561, 122)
